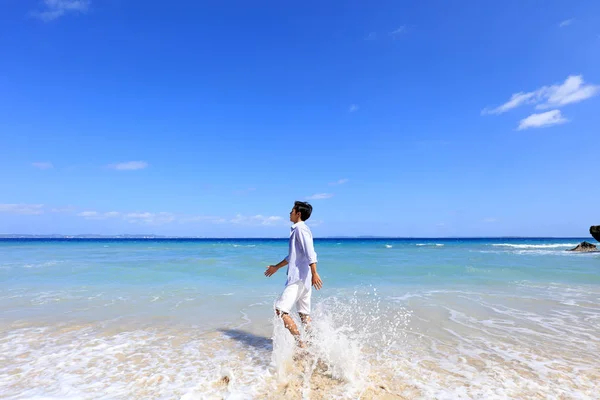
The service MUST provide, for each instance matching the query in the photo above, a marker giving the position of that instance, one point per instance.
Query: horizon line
(153, 236)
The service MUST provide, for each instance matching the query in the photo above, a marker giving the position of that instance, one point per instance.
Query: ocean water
(396, 319)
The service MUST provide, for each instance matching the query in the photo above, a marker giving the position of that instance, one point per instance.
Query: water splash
(348, 335)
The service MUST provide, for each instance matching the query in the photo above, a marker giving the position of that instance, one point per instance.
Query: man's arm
(316, 279)
(308, 247)
(271, 269)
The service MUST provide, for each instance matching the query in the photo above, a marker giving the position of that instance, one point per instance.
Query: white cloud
(202, 218)
(143, 215)
(490, 220)
(371, 36)
(566, 22)
(320, 196)
(339, 182)
(398, 31)
(271, 220)
(547, 118)
(88, 214)
(161, 218)
(42, 165)
(256, 220)
(572, 90)
(54, 9)
(144, 218)
(64, 210)
(353, 108)
(98, 215)
(22, 209)
(129, 165)
(150, 218)
(166, 217)
(516, 100)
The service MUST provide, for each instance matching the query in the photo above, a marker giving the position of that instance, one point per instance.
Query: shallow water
(479, 318)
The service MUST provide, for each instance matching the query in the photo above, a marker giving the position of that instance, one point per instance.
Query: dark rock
(595, 232)
(585, 246)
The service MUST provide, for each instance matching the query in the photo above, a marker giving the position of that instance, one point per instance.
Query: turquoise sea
(396, 319)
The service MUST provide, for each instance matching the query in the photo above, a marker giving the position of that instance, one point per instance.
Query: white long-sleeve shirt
(301, 255)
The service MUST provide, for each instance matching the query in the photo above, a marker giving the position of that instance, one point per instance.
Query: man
(301, 273)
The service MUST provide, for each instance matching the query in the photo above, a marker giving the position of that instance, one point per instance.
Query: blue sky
(429, 118)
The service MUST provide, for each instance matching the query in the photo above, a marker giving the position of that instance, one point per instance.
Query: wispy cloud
(98, 215)
(515, 101)
(547, 118)
(396, 32)
(42, 165)
(149, 218)
(320, 196)
(339, 182)
(256, 220)
(88, 214)
(201, 218)
(572, 90)
(144, 217)
(64, 210)
(54, 9)
(22, 209)
(566, 22)
(353, 108)
(129, 165)
(490, 220)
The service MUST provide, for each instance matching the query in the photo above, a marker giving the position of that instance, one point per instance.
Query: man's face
(294, 215)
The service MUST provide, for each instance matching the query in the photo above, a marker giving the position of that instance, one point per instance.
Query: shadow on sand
(249, 339)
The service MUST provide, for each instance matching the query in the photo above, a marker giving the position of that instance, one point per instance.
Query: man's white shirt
(301, 254)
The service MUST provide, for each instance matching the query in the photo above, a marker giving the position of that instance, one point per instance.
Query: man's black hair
(304, 209)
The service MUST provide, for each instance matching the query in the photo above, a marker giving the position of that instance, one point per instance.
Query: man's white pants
(297, 294)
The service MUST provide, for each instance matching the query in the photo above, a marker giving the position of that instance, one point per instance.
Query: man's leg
(305, 318)
(289, 323)
(284, 304)
(303, 306)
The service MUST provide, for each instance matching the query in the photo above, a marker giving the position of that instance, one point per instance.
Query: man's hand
(271, 269)
(316, 281)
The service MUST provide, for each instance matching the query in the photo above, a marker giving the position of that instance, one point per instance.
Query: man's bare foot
(301, 353)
